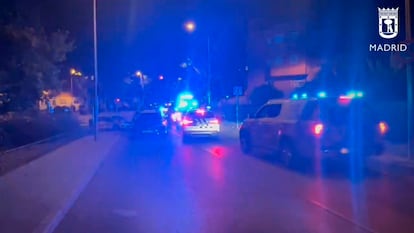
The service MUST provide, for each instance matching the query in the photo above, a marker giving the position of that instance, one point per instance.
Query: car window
(262, 112)
(199, 115)
(272, 110)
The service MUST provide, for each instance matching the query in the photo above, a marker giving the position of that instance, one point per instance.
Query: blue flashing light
(304, 96)
(351, 94)
(355, 94)
(195, 103)
(295, 96)
(322, 94)
(186, 96)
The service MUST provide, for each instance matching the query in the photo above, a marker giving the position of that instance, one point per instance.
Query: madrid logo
(388, 29)
(388, 22)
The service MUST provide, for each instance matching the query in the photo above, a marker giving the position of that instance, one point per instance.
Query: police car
(316, 128)
(200, 122)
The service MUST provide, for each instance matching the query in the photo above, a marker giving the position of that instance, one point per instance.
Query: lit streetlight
(73, 73)
(161, 77)
(141, 77)
(190, 26)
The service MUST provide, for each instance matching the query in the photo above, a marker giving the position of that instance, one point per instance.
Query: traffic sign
(238, 91)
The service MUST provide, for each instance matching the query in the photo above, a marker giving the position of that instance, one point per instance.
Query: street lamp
(141, 77)
(95, 56)
(190, 26)
(73, 73)
(409, 74)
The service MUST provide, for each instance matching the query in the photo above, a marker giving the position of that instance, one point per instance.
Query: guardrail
(16, 157)
(33, 143)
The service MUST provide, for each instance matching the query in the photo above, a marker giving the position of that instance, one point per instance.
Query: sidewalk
(34, 197)
(395, 160)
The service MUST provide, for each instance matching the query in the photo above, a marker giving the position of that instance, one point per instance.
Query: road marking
(51, 222)
(337, 214)
(320, 205)
(125, 213)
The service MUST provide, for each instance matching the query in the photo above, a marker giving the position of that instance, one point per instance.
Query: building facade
(277, 54)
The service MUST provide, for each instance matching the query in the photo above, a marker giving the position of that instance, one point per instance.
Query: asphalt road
(209, 186)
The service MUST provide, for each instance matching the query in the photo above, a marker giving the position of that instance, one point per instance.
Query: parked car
(149, 122)
(111, 122)
(314, 128)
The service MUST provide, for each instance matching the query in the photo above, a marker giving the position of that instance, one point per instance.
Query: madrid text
(388, 47)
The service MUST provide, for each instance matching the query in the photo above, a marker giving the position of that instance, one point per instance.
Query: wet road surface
(210, 186)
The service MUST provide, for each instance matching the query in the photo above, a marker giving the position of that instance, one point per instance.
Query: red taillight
(383, 127)
(214, 121)
(318, 129)
(344, 100)
(186, 121)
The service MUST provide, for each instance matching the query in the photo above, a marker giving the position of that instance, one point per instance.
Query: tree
(261, 94)
(385, 81)
(31, 60)
(327, 79)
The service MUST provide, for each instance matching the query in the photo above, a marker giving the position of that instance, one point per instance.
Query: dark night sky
(149, 35)
(142, 34)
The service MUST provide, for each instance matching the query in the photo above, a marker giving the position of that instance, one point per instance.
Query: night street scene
(206, 116)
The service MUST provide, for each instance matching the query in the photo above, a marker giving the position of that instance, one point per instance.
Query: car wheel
(245, 144)
(287, 153)
(4, 139)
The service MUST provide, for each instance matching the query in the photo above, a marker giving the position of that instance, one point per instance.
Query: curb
(392, 168)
